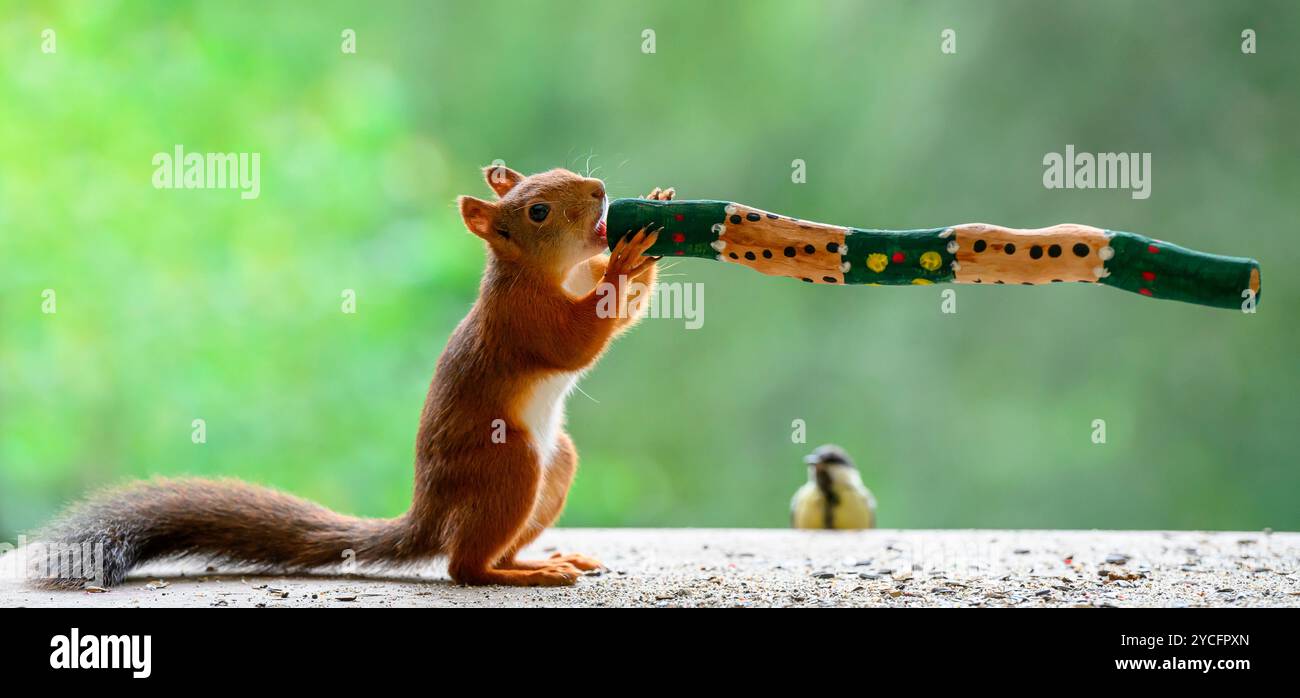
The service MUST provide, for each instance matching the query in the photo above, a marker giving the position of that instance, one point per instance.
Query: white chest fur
(543, 412)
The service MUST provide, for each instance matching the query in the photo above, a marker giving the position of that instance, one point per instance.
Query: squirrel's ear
(478, 215)
(501, 178)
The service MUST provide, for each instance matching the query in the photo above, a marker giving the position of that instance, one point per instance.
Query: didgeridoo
(972, 253)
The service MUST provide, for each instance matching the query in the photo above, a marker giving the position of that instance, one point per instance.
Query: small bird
(834, 496)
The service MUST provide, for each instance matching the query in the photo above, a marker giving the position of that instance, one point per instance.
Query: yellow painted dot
(877, 262)
(931, 261)
(922, 282)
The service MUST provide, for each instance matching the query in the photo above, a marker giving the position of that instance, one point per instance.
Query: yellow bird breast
(855, 507)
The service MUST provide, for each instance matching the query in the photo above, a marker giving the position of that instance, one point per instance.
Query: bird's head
(828, 456)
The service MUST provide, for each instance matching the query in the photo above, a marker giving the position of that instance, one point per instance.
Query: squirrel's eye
(538, 212)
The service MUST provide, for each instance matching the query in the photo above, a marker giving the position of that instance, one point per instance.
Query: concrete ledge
(722, 567)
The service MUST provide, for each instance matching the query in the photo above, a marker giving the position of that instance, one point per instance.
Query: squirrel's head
(554, 219)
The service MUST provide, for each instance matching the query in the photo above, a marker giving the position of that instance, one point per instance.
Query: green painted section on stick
(903, 252)
(695, 227)
(1177, 273)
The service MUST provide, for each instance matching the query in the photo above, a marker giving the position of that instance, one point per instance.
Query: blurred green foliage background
(175, 305)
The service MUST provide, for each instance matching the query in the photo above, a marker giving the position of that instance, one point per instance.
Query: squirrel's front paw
(662, 194)
(626, 261)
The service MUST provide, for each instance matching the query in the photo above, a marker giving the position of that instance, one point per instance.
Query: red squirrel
(506, 371)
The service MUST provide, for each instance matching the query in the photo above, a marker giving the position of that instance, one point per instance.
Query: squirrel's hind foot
(554, 575)
(580, 561)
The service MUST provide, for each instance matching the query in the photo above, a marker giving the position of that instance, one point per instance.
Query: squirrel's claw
(627, 259)
(662, 194)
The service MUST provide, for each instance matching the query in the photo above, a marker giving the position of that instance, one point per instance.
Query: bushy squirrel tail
(101, 539)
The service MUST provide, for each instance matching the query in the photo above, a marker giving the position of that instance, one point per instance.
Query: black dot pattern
(1080, 249)
(1054, 251)
(1036, 252)
(735, 220)
(980, 245)
(750, 256)
(828, 279)
(767, 254)
(809, 249)
(752, 216)
(789, 251)
(1010, 248)
(735, 256)
(832, 247)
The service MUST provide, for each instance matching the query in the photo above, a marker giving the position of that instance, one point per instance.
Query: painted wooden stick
(975, 253)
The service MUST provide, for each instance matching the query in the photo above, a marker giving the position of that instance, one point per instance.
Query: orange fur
(525, 328)
(507, 367)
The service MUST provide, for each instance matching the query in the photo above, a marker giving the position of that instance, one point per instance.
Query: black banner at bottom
(323, 647)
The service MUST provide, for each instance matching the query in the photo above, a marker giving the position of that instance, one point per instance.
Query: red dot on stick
(1144, 291)
(680, 252)
(1152, 249)
(898, 257)
(1149, 275)
(679, 237)
(680, 217)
